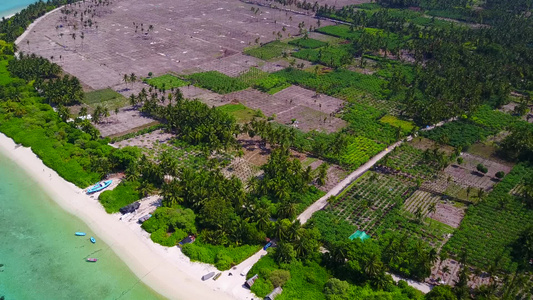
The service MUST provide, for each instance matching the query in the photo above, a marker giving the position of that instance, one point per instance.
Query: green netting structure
(359, 234)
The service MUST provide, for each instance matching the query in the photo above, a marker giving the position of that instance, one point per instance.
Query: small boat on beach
(92, 259)
(208, 275)
(99, 186)
(80, 233)
(93, 240)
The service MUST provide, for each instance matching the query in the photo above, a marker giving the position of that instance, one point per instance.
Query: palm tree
(374, 266)
(468, 190)
(126, 78)
(133, 78)
(83, 112)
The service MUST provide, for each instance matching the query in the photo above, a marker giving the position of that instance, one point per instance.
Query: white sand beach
(166, 270)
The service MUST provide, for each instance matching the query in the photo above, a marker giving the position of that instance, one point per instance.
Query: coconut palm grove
(369, 150)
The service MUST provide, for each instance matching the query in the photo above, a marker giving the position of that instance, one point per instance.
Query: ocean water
(41, 256)
(10, 7)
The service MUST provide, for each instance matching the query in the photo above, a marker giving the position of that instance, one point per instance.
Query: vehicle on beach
(92, 259)
(99, 186)
(80, 233)
(144, 218)
(246, 270)
(217, 276)
(208, 275)
(93, 240)
(267, 245)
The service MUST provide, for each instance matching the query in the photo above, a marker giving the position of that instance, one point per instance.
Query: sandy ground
(166, 270)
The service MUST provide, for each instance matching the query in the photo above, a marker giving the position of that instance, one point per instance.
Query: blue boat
(80, 233)
(99, 186)
(93, 240)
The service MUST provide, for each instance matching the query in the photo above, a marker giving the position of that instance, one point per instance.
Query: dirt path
(322, 202)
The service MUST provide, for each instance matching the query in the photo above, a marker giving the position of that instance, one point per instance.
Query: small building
(274, 293)
(251, 281)
(188, 240)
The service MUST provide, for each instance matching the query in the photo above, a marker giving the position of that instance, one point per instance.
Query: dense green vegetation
(217, 82)
(307, 43)
(125, 193)
(490, 229)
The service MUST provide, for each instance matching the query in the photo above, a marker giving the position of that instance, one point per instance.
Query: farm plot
(286, 112)
(467, 177)
(357, 95)
(311, 99)
(184, 36)
(217, 82)
(106, 98)
(147, 140)
(166, 82)
(206, 96)
(421, 200)
(368, 200)
(232, 66)
(359, 151)
(491, 227)
(125, 121)
(410, 160)
(471, 161)
(307, 119)
(448, 214)
(269, 50)
(241, 169)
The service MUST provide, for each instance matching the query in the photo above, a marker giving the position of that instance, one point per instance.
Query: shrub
(279, 277)
(223, 261)
(125, 193)
(500, 174)
(459, 160)
(481, 168)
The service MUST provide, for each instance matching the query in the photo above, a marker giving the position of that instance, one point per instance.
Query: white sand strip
(166, 270)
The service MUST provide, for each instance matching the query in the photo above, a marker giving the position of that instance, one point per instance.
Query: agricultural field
(308, 43)
(270, 50)
(333, 56)
(241, 113)
(359, 151)
(107, 98)
(166, 82)
(489, 228)
(366, 203)
(411, 162)
(217, 82)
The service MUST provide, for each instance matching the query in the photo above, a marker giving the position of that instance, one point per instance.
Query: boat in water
(92, 259)
(80, 233)
(93, 240)
(99, 186)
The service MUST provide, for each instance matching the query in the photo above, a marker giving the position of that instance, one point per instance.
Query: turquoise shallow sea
(9, 7)
(41, 256)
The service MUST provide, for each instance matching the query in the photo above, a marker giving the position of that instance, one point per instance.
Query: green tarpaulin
(359, 234)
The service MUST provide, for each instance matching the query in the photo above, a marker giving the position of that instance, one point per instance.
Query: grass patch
(269, 51)
(241, 113)
(124, 194)
(106, 97)
(166, 82)
(308, 43)
(406, 126)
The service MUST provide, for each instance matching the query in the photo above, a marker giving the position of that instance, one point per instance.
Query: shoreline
(30, 27)
(166, 270)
